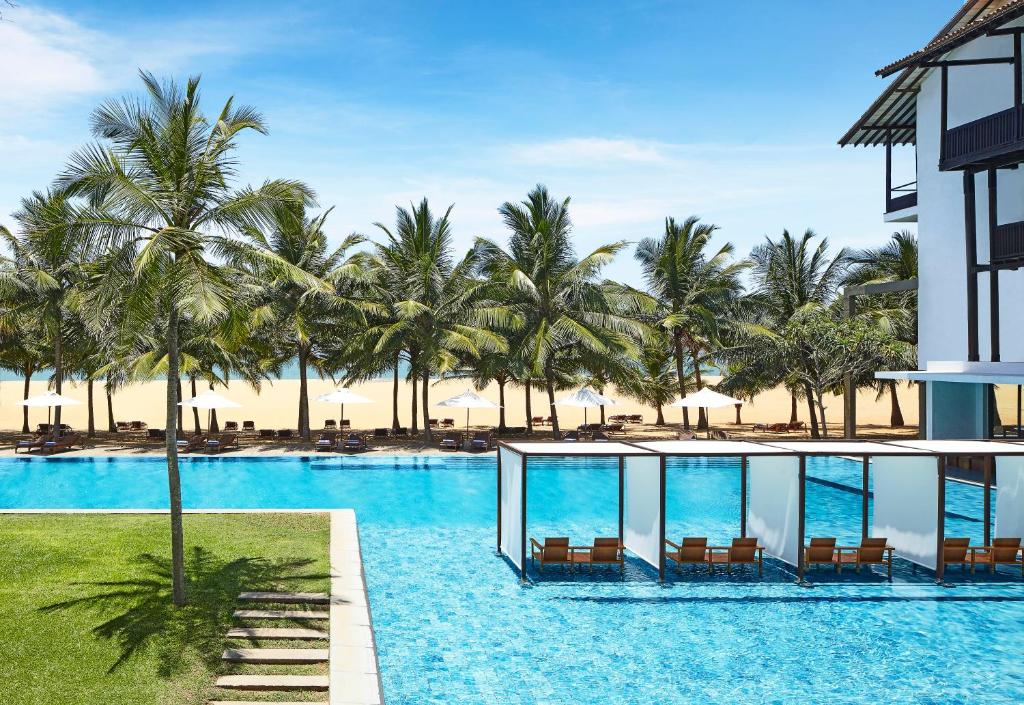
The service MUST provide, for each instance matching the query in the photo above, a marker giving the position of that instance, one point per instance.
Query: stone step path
(275, 656)
(276, 633)
(276, 682)
(280, 614)
(288, 598)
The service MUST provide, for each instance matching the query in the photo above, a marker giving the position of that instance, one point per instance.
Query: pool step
(291, 598)
(275, 656)
(280, 614)
(275, 633)
(280, 682)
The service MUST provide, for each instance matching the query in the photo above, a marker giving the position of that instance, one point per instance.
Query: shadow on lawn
(142, 619)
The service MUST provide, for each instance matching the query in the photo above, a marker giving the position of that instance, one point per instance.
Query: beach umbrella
(469, 400)
(49, 400)
(210, 400)
(343, 396)
(708, 399)
(586, 398)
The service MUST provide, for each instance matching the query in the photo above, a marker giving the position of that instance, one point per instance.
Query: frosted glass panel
(773, 508)
(642, 510)
(1009, 497)
(905, 506)
(512, 505)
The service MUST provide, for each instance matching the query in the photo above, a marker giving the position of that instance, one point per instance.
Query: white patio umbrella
(343, 396)
(469, 400)
(49, 400)
(708, 399)
(586, 398)
(210, 400)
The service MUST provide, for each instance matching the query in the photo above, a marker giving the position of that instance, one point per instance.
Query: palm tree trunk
(303, 396)
(29, 369)
(395, 422)
(602, 411)
(792, 408)
(412, 374)
(677, 338)
(214, 426)
(58, 369)
(549, 383)
(821, 416)
(111, 424)
(702, 417)
(501, 403)
(181, 410)
(195, 412)
(529, 407)
(427, 437)
(91, 425)
(739, 420)
(810, 410)
(660, 421)
(896, 417)
(173, 477)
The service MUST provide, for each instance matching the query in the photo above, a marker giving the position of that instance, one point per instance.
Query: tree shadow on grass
(141, 619)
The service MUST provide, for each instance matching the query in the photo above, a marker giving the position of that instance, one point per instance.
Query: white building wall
(974, 92)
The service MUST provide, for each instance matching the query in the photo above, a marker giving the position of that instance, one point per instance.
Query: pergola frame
(798, 451)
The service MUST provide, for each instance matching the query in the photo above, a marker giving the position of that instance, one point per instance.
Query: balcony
(993, 141)
(901, 204)
(1008, 244)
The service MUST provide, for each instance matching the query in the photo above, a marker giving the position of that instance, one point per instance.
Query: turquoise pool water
(454, 625)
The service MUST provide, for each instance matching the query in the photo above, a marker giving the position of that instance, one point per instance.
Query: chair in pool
(822, 551)
(554, 551)
(693, 551)
(451, 441)
(224, 440)
(604, 552)
(352, 443)
(872, 551)
(571, 437)
(327, 440)
(1003, 551)
(954, 550)
(743, 551)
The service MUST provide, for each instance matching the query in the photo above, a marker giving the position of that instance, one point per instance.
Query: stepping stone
(280, 614)
(293, 598)
(275, 656)
(254, 682)
(275, 633)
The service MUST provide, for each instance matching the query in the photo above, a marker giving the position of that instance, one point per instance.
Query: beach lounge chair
(451, 441)
(432, 422)
(327, 440)
(224, 440)
(330, 424)
(549, 421)
(481, 440)
(381, 432)
(797, 426)
(402, 432)
(571, 437)
(599, 436)
(156, 434)
(613, 428)
(28, 445)
(687, 435)
(1003, 551)
(345, 423)
(64, 443)
(635, 418)
(872, 551)
(248, 425)
(231, 426)
(719, 435)
(352, 443)
(537, 420)
(759, 427)
(779, 428)
(267, 433)
(123, 426)
(284, 433)
(605, 551)
(693, 550)
(138, 425)
(743, 551)
(447, 423)
(196, 442)
(554, 551)
(588, 427)
(822, 551)
(954, 550)
(42, 428)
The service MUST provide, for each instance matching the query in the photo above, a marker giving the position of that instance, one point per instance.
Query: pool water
(454, 625)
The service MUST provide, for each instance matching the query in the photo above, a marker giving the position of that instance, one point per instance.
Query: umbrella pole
(341, 421)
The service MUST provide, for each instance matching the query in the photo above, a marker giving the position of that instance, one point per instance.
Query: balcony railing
(901, 197)
(1008, 245)
(996, 139)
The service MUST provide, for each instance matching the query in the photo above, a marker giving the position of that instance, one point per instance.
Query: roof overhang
(963, 372)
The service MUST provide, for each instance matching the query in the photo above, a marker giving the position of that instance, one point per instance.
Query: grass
(85, 610)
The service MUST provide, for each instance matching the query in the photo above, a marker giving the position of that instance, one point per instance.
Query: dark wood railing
(1009, 242)
(991, 137)
(901, 197)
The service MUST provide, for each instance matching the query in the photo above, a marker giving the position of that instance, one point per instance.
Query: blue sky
(640, 110)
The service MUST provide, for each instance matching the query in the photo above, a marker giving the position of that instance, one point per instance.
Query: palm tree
(695, 287)
(653, 381)
(162, 204)
(566, 310)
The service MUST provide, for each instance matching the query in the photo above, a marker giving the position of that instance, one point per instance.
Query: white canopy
(469, 400)
(50, 399)
(707, 398)
(586, 397)
(210, 400)
(343, 395)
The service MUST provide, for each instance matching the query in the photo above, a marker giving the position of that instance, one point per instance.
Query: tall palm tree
(653, 381)
(565, 308)
(162, 204)
(695, 286)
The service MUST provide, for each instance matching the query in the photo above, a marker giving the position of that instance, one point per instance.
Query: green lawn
(85, 610)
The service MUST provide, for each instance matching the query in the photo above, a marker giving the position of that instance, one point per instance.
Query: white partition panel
(773, 505)
(906, 506)
(1009, 497)
(642, 510)
(512, 505)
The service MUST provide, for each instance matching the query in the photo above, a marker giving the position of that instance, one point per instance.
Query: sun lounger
(402, 432)
(635, 418)
(779, 428)
(537, 420)
(743, 551)
(138, 425)
(248, 425)
(433, 423)
(822, 551)
(31, 444)
(267, 433)
(123, 426)
(381, 432)
(352, 443)
(64, 443)
(156, 434)
(571, 437)
(719, 435)
(605, 551)
(693, 550)
(345, 423)
(796, 426)
(451, 441)
(588, 427)
(549, 421)
(447, 423)
(760, 427)
(954, 550)
(284, 433)
(196, 442)
(42, 428)
(225, 440)
(1003, 551)
(330, 424)
(872, 551)
(614, 428)
(599, 437)
(687, 435)
(481, 441)
(327, 440)
(231, 426)
(554, 551)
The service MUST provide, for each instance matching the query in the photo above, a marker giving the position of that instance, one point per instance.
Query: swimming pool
(454, 625)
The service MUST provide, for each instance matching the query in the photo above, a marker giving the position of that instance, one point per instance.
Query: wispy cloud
(575, 151)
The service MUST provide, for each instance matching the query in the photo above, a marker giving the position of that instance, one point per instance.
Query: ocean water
(454, 625)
